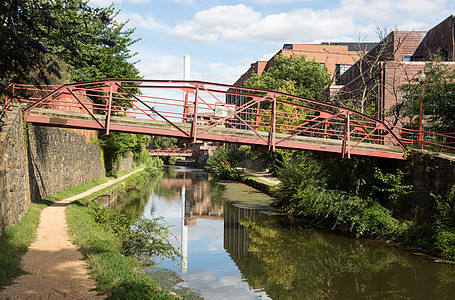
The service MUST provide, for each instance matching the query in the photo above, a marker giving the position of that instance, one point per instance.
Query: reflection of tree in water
(134, 201)
(295, 263)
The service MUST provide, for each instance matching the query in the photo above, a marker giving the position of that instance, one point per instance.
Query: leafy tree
(142, 238)
(223, 163)
(97, 47)
(42, 38)
(394, 185)
(438, 98)
(293, 75)
(163, 142)
(120, 144)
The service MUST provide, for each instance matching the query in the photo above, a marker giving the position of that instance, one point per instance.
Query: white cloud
(241, 23)
(278, 1)
(103, 3)
(303, 25)
(208, 25)
(403, 14)
(161, 67)
(138, 21)
(227, 73)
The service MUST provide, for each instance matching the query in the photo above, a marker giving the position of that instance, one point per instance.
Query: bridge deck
(59, 118)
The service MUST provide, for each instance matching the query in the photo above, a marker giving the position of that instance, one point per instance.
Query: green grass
(14, 241)
(76, 190)
(132, 180)
(118, 276)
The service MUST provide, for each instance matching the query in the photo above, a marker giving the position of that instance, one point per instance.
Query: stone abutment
(38, 161)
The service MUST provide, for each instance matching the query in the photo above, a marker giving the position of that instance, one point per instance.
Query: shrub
(444, 228)
(143, 238)
(223, 163)
(309, 188)
(154, 165)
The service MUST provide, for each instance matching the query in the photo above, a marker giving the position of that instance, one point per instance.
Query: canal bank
(236, 250)
(53, 265)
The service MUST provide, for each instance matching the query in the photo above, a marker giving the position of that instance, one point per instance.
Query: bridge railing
(431, 140)
(194, 109)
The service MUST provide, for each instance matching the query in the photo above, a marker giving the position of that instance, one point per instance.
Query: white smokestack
(186, 67)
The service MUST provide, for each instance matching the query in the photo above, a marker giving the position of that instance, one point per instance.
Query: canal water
(235, 249)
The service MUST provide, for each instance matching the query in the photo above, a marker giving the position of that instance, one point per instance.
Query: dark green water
(241, 252)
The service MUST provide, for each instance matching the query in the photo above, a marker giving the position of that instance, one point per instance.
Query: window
(413, 58)
(445, 54)
(339, 71)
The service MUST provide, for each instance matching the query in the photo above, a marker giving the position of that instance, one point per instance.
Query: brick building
(337, 57)
(375, 80)
(396, 60)
(66, 102)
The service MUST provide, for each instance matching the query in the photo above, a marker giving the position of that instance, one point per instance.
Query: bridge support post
(109, 108)
(272, 142)
(195, 115)
(346, 148)
(256, 125)
(185, 108)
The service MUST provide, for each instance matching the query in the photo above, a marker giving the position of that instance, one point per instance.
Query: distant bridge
(178, 152)
(196, 110)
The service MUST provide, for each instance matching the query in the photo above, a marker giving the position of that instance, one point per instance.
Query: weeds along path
(55, 266)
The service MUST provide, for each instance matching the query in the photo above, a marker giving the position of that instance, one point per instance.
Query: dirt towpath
(264, 175)
(56, 268)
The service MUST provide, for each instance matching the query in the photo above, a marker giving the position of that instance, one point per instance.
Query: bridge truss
(196, 110)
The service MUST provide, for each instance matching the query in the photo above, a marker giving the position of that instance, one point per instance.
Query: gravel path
(56, 268)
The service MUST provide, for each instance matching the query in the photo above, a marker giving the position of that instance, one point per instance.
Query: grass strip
(14, 243)
(15, 240)
(118, 276)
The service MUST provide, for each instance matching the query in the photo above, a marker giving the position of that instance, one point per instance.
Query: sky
(223, 38)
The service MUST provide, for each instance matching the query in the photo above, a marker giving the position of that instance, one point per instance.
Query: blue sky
(224, 37)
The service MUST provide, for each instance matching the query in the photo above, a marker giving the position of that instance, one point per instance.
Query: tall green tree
(97, 46)
(438, 98)
(293, 75)
(44, 41)
(162, 142)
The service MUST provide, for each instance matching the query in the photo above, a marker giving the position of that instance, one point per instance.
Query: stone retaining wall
(429, 174)
(256, 165)
(126, 163)
(60, 159)
(14, 177)
(54, 160)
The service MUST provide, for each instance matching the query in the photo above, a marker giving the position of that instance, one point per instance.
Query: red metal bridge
(196, 110)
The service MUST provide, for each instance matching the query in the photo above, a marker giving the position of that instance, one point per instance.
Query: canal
(237, 249)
